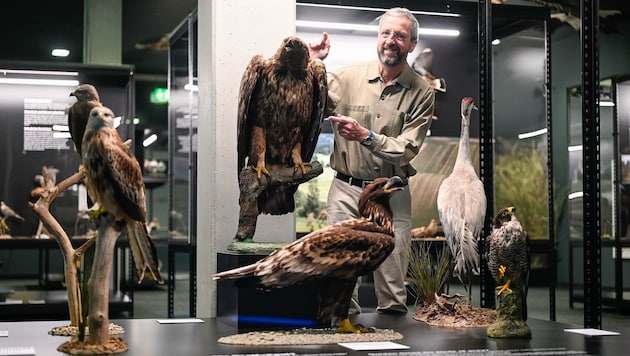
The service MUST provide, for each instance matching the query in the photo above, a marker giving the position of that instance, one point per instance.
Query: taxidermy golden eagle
(280, 112)
(115, 183)
(333, 257)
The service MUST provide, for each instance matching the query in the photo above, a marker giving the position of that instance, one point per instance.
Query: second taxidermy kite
(280, 113)
(87, 99)
(461, 204)
(334, 256)
(116, 185)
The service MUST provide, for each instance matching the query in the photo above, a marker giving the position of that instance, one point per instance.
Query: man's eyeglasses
(398, 36)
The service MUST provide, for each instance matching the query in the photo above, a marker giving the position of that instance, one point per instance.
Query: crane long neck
(463, 152)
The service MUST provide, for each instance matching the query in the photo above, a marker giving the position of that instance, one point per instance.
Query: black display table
(148, 337)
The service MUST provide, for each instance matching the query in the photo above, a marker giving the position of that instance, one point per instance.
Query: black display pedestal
(242, 305)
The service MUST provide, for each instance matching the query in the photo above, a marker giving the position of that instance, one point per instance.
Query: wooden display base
(242, 305)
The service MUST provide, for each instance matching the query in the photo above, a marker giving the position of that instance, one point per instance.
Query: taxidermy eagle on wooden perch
(334, 257)
(280, 113)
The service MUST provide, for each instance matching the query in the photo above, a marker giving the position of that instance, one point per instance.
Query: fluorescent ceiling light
(496, 42)
(575, 148)
(606, 103)
(377, 9)
(30, 81)
(191, 87)
(117, 121)
(532, 134)
(60, 52)
(38, 72)
(149, 140)
(61, 128)
(368, 28)
(576, 195)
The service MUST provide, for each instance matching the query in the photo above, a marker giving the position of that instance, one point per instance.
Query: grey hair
(401, 11)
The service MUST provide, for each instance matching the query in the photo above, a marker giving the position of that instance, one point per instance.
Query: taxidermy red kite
(87, 99)
(116, 185)
(334, 257)
(280, 112)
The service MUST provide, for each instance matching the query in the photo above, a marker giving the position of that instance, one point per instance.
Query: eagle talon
(502, 269)
(302, 166)
(347, 327)
(261, 170)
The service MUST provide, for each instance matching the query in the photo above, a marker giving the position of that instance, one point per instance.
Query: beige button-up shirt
(399, 115)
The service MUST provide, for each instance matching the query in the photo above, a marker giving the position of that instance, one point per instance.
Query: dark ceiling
(32, 28)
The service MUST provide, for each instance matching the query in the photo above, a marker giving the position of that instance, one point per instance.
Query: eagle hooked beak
(393, 184)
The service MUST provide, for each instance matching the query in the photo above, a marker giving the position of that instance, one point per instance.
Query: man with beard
(380, 112)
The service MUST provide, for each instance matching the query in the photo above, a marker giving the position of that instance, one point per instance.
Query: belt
(358, 182)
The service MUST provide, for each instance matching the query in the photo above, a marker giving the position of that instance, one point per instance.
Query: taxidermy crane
(334, 257)
(461, 204)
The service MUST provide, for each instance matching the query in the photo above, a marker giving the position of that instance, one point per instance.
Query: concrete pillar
(230, 33)
(102, 32)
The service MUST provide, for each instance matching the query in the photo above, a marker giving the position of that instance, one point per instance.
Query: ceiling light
(496, 42)
(30, 81)
(60, 52)
(38, 72)
(532, 134)
(368, 28)
(149, 140)
(378, 9)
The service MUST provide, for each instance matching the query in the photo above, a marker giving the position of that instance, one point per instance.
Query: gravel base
(69, 330)
(308, 337)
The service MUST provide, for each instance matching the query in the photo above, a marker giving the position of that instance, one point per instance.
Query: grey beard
(395, 60)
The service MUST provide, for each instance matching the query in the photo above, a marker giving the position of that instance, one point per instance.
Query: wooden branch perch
(70, 257)
(251, 186)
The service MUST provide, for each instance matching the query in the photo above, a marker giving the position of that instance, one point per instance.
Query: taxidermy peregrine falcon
(334, 256)
(116, 185)
(461, 204)
(508, 253)
(280, 112)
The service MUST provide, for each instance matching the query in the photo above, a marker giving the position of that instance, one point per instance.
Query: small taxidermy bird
(334, 257)
(8, 212)
(508, 255)
(280, 112)
(423, 66)
(461, 204)
(115, 183)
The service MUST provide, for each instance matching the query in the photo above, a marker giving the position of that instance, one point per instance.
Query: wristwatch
(369, 139)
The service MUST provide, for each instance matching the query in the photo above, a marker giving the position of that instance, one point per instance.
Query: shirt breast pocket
(392, 124)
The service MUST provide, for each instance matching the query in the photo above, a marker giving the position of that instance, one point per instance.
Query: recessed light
(60, 52)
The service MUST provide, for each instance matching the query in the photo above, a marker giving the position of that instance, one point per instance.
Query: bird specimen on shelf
(280, 113)
(424, 232)
(334, 256)
(461, 204)
(115, 183)
(508, 254)
(423, 66)
(8, 212)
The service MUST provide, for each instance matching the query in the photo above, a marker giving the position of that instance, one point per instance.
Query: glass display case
(182, 147)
